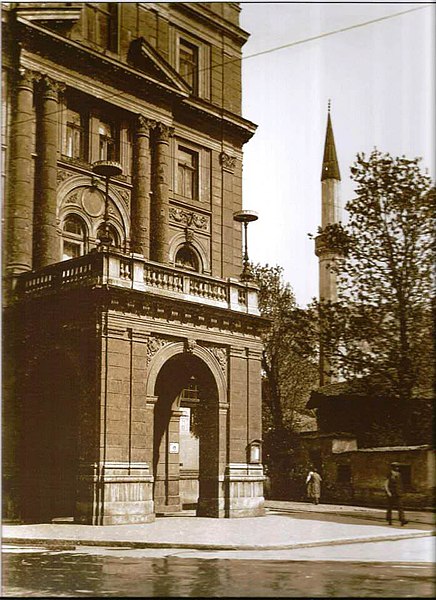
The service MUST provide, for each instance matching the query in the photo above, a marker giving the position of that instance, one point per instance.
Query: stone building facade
(132, 382)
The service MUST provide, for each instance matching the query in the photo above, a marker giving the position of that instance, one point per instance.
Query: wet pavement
(296, 550)
(104, 572)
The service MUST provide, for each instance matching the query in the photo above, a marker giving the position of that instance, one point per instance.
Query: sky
(380, 78)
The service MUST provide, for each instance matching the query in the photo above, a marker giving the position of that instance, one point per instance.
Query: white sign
(174, 447)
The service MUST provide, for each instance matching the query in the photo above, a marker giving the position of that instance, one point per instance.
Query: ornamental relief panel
(63, 175)
(220, 354)
(188, 218)
(227, 162)
(154, 344)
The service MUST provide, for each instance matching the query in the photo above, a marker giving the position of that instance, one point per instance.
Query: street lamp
(106, 169)
(245, 217)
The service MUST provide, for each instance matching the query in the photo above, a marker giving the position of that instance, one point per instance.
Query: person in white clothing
(313, 483)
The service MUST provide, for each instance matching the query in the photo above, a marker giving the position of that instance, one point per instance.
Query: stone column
(160, 194)
(19, 211)
(140, 215)
(46, 240)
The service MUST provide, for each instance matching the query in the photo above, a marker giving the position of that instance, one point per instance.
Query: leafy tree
(382, 324)
(290, 371)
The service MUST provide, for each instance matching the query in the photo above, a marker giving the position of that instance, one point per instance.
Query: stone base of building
(244, 490)
(116, 493)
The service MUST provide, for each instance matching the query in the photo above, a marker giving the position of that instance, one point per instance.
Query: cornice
(32, 32)
(207, 16)
(60, 45)
(165, 311)
(179, 311)
(245, 128)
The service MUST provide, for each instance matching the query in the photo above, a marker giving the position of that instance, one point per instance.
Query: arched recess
(179, 240)
(171, 374)
(50, 437)
(175, 348)
(71, 197)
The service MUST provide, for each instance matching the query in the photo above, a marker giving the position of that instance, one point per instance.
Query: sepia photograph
(218, 346)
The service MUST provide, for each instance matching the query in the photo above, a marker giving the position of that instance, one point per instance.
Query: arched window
(113, 234)
(186, 258)
(73, 237)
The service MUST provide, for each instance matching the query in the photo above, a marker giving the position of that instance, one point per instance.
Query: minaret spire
(330, 215)
(330, 166)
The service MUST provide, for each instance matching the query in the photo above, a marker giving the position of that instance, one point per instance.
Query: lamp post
(245, 217)
(106, 169)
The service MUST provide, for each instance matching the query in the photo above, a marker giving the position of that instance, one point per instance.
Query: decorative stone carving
(221, 356)
(51, 88)
(163, 132)
(63, 175)
(227, 162)
(26, 77)
(189, 235)
(154, 344)
(125, 195)
(72, 198)
(190, 345)
(189, 218)
(144, 125)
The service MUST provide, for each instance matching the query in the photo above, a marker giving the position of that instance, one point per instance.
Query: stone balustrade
(114, 269)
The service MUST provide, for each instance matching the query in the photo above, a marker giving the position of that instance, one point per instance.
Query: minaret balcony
(324, 246)
(112, 269)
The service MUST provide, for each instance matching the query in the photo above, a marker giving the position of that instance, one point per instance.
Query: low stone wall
(368, 468)
(356, 476)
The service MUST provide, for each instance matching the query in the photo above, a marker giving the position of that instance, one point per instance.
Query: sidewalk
(286, 525)
(362, 512)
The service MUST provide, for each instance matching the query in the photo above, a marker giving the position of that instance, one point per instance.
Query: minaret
(330, 215)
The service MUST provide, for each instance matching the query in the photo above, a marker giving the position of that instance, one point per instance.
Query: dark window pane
(187, 259)
(188, 63)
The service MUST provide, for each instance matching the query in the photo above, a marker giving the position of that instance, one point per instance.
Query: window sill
(204, 204)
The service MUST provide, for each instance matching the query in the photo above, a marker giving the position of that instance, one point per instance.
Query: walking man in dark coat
(394, 491)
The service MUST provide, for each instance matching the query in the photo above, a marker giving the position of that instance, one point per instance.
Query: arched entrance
(186, 437)
(49, 458)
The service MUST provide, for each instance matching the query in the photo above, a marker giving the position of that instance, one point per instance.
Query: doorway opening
(186, 429)
(49, 457)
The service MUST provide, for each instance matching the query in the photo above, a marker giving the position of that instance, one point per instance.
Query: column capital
(163, 132)
(227, 162)
(143, 125)
(51, 88)
(26, 78)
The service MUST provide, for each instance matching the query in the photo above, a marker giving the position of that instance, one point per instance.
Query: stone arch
(178, 240)
(173, 349)
(187, 470)
(82, 182)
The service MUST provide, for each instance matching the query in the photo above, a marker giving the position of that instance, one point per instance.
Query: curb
(71, 544)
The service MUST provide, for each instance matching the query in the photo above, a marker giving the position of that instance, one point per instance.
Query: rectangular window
(188, 64)
(102, 24)
(108, 142)
(75, 135)
(406, 474)
(185, 420)
(344, 474)
(71, 250)
(187, 173)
